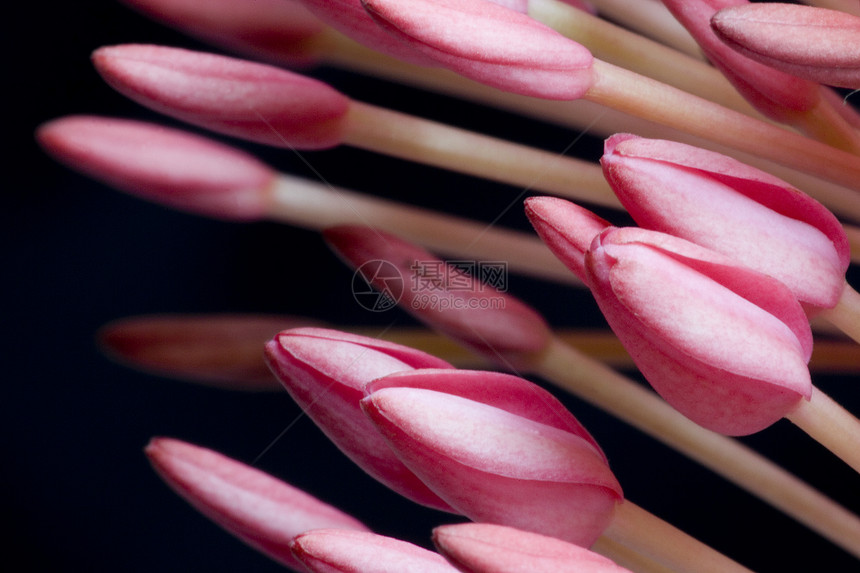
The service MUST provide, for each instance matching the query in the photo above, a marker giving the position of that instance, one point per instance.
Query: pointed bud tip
(163, 165)
(235, 97)
(566, 228)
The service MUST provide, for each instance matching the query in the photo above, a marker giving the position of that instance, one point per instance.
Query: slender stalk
(621, 47)
(651, 536)
(652, 19)
(440, 145)
(580, 115)
(831, 425)
(598, 344)
(827, 125)
(846, 315)
(627, 558)
(598, 384)
(637, 95)
(316, 206)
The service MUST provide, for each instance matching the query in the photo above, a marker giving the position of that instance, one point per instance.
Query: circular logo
(377, 285)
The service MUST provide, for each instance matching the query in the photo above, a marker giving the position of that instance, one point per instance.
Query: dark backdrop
(77, 489)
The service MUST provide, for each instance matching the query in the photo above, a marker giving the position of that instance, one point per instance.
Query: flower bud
(489, 43)
(164, 165)
(345, 551)
(325, 372)
(494, 458)
(813, 43)
(235, 97)
(488, 548)
(734, 209)
(260, 510)
(725, 345)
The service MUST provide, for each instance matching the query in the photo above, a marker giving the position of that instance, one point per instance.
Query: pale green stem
(580, 115)
(601, 386)
(846, 314)
(440, 145)
(621, 47)
(599, 344)
(637, 95)
(628, 558)
(830, 425)
(317, 206)
(853, 234)
(654, 538)
(652, 19)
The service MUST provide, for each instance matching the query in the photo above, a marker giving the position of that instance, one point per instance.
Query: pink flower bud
(168, 166)
(344, 551)
(277, 30)
(734, 209)
(774, 93)
(222, 350)
(491, 44)
(445, 298)
(325, 372)
(488, 548)
(244, 99)
(725, 345)
(260, 510)
(812, 43)
(492, 459)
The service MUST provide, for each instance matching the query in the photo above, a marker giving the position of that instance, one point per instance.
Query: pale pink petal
(496, 466)
(696, 329)
(325, 372)
(260, 510)
(164, 165)
(488, 548)
(812, 43)
(566, 228)
(244, 99)
(732, 208)
(491, 44)
(344, 551)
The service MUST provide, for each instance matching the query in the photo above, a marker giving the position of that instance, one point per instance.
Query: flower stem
(600, 385)
(665, 543)
(640, 96)
(846, 314)
(639, 54)
(651, 19)
(440, 145)
(580, 114)
(317, 206)
(831, 425)
(627, 558)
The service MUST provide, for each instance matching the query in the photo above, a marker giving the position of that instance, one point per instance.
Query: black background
(77, 490)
